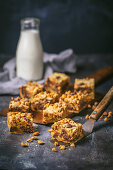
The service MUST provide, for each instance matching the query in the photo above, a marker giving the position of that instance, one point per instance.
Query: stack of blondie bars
(52, 101)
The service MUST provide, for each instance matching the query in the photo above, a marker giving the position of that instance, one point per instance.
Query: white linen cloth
(63, 62)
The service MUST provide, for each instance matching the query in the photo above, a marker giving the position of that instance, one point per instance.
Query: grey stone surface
(93, 152)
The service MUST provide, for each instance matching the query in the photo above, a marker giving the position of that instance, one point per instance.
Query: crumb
(29, 140)
(50, 130)
(54, 149)
(95, 103)
(34, 138)
(40, 142)
(36, 133)
(24, 144)
(110, 115)
(56, 143)
(106, 119)
(36, 145)
(72, 145)
(28, 150)
(87, 117)
(105, 114)
(89, 106)
(101, 117)
(62, 147)
(93, 107)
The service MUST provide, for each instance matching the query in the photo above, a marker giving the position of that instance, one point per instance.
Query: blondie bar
(75, 101)
(41, 99)
(19, 104)
(30, 89)
(19, 123)
(54, 112)
(86, 86)
(67, 131)
(57, 82)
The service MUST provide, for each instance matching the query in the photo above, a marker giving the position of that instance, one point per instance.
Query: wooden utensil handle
(101, 106)
(102, 74)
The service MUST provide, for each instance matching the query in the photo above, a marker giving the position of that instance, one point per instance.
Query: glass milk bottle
(29, 54)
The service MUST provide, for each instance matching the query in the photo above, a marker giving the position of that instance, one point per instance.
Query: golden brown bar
(19, 123)
(86, 86)
(54, 112)
(57, 82)
(41, 99)
(75, 101)
(67, 131)
(19, 104)
(30, 89)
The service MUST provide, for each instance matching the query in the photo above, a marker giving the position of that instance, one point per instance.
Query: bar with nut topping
(19, 104)
(86, 86)
(41, 99)
(67, 131)
(54, 112)
(57, 82)
(19, 123)
(30, 89)
(75, 101)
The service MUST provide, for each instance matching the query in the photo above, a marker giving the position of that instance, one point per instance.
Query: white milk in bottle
(29, 54)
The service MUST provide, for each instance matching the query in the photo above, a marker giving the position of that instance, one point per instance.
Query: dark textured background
(83, 25)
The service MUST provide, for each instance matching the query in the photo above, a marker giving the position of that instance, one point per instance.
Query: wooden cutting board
(100, 76)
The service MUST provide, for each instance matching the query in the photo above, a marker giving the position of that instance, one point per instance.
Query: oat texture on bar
(41, 99)
(19, 104)
(86, 86)
(57, 82)
(67, 131)
(19, 123)
(54, 112)
(30, 89)
(75, 102)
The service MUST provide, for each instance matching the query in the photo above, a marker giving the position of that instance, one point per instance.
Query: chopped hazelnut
(106, 119)
(95, 103)
(50, 130)
(54, 149)
(110, 115)
(87, 117)
(56, 143)
(29, 140)
(40, 142)
(62, 147)
(105, 114)
(93, 107)
(101, 117)
(36, 133)
(72, 145)
(89, 106)
(34, 138)
(24, 144)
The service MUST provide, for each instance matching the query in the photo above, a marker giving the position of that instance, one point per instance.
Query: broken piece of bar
(19, 104)
(30, 89)
(86, 86)
(75, 101)
(67, 131)
(57, 82)
(41, 99)
(54, 112)
(19, 123)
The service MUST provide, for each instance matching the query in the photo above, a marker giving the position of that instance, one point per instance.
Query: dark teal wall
(84, 25)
